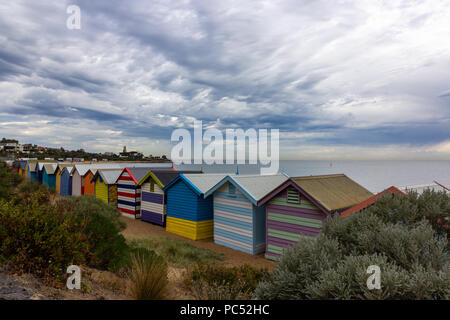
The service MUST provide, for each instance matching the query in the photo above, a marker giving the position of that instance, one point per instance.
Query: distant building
(11, 147)
(126, 154)
(27, 148)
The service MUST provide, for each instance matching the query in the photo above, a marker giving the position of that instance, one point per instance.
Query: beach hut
(48, 175)
(129, 191)
(40, 167)
(299, 207)
(32, 175)
(21, 167)
(66, 181)
(89, 182)
(189, 213)
(105, 185)
(153, 200)
(80, 170)
(239, 222)
(58, 173)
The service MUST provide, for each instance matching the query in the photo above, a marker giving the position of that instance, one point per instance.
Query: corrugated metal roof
(69, 169)
(63, 165)
(164, 176)
(32, 166)
(334, 191)
(366, 203)
(40, 164)
(83, 168)
(259, 185)
(255, 187)
(204, 182)
(138, 173)
(109, 176)
(50, 168)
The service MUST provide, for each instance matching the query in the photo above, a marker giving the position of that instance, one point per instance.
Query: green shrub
(9, 180)
(401, 244)
(107, 248)
(412, 258)
(348, 281)
(39, 239)
(148, 276)
(298, 267)
(412, 208)
(33, 191)
(214, 282)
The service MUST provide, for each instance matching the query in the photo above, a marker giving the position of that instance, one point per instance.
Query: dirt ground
(96, 285)
(141, 229)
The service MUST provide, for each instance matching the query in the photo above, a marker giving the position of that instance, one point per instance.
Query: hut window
(152, 186)
(293, 196)
(231, 189)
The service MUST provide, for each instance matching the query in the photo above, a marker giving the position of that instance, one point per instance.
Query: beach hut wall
(153, 199)
(189, 213)
(66, 182)
(239, 223)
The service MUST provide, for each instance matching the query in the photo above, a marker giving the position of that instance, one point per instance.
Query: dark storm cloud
(143, 68)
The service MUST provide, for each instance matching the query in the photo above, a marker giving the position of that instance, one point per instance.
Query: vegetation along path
(137, 229)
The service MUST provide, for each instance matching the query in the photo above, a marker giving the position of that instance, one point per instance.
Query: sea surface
(373, 175)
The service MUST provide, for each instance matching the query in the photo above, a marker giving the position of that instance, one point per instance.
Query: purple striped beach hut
(299, 207)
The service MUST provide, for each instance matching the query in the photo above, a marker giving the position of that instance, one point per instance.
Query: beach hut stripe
(128, 195)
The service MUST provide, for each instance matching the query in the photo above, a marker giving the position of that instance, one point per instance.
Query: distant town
(12, 149)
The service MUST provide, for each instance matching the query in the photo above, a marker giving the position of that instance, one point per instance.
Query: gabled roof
(108, 176)
(199, 183)
(50, 168)
(255, 187)
(32, 166)
(40, 164)
(163, 177)
(61, 166)
(366, 203)
(334, 191)
(69, 170)
(138, 173)
(84, 168)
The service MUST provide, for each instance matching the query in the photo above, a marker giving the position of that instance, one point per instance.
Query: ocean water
(373, 175)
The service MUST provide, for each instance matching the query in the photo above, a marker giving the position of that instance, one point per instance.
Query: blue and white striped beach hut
(239, 222)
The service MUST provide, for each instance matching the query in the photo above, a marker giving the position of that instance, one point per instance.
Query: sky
(340, 79)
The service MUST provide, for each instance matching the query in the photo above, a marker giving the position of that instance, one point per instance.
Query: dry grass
(177, 253)
(148, 277)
